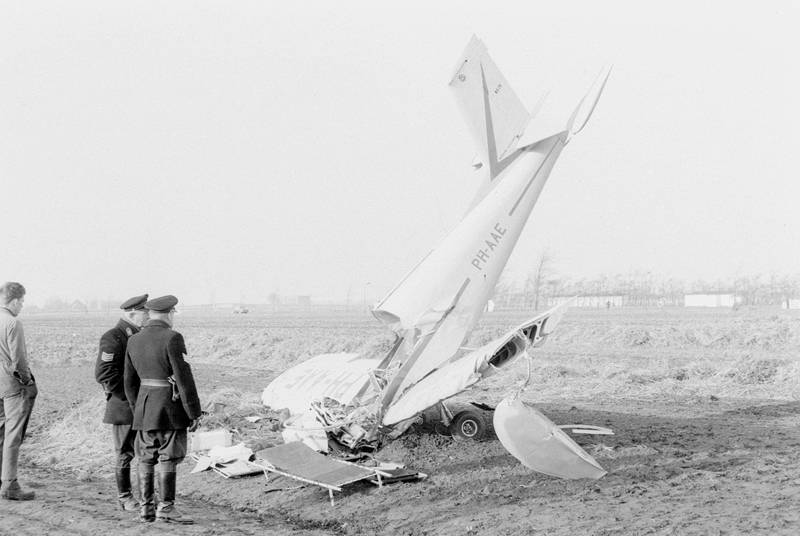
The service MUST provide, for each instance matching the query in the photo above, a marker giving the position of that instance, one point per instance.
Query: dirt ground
(711, 456)
(66, 506)
(717, 467)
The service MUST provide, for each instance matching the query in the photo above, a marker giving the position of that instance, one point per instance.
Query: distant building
(791, 303)
(711, 300)
(304, 301)
(597, 301)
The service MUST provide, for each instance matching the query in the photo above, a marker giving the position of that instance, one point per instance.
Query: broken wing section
(539, 444)
(307, 390)
(468, 369)
(476, 83)
(338, 376)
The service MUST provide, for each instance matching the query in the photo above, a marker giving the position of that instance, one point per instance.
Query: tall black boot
(126, 499)
(146, 485)
(166, 505)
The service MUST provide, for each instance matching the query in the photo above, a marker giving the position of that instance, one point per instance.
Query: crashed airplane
(362, 401)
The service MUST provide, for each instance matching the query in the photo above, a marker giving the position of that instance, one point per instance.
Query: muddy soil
(66, 506)
(675, 466)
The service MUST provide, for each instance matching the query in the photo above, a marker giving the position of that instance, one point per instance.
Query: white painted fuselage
(458, 277)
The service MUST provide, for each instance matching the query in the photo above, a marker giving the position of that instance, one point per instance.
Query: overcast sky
(226, 150)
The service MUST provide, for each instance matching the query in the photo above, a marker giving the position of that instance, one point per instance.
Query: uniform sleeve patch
(107, 357)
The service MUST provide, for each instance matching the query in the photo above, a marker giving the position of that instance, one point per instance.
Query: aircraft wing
(338, 376)
(468, 369)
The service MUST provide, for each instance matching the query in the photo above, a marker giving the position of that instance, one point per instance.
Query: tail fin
(494, 114)
(559, 120)
(587, 104)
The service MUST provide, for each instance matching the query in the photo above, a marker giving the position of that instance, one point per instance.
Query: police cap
(132, 304)
(164, 304)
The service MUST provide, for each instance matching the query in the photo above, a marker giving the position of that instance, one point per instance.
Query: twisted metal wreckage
(362, 401)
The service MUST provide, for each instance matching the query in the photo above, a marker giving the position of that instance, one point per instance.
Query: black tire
(469, 424)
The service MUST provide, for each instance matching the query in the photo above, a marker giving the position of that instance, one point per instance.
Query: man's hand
(30, 390)
(25, 380)
(193, 425)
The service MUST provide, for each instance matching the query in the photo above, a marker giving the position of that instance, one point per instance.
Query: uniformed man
(108, 371)
(162, 393)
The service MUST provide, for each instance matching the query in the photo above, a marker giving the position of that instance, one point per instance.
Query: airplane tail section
(583, 112)
(494, 114)
(558, 119)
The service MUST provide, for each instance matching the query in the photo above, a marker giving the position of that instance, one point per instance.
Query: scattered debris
(203, 463)
(228, 461)
(222, 455)
(224, 458)
(397, 474)
(201, 441)
(236, 468)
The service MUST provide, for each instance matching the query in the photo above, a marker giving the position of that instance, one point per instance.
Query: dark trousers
(124, 439)
(164, 447)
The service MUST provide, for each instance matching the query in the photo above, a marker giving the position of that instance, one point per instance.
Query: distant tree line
(56, 304)
(544, 285)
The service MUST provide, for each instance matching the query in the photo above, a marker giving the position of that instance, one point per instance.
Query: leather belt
(150, 382)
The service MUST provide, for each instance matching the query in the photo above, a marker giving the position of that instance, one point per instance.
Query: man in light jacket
(17, 390)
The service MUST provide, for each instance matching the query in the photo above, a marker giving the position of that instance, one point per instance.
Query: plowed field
(702, 402)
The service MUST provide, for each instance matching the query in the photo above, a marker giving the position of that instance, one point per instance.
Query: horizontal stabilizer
(583, 112)
(564, 117)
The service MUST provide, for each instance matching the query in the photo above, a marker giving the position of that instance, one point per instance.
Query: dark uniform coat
(108, 370)
(158, 352)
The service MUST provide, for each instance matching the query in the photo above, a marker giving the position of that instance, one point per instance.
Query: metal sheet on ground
(299, 461)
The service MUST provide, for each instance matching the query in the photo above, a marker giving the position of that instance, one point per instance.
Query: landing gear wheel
(469, 425)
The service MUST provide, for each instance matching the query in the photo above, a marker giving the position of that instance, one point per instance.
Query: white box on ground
(199, 441)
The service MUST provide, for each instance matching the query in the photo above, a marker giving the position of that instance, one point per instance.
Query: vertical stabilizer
(494, 114)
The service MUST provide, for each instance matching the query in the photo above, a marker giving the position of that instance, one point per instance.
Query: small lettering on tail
(483, 254)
